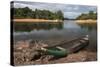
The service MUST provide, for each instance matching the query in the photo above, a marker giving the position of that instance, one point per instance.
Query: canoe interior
(73, 44)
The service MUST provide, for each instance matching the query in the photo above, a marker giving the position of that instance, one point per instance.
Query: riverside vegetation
(20, 13)
(90, 17)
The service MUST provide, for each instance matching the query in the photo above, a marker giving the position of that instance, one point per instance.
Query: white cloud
(71, 14)
(70, 11)
(76, 8)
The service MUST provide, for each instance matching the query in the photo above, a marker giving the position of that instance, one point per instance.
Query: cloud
(71, 14)
(70, 11)
(18, 5)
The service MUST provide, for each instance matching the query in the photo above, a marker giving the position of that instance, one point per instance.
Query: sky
(69, 11)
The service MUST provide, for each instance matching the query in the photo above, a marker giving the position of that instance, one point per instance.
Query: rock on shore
(25, 54)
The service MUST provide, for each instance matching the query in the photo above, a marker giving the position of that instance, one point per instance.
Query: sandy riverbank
(86, 21)
(25, 54)
(36, 20)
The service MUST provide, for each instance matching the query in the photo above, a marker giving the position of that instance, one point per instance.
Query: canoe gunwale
(64, 42)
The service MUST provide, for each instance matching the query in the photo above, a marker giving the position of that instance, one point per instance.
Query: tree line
(85, 16)
(37, 14)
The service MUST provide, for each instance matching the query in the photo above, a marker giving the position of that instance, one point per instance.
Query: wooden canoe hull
(76, 46)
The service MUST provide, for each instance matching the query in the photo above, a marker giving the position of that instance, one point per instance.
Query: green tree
(59, 14)
(37, 14)
(90, 15)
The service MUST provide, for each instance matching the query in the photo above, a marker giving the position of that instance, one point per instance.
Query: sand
(35, 20)
(86, 21)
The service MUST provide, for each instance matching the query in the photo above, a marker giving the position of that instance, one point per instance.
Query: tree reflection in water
(27, 27)
(88, 26)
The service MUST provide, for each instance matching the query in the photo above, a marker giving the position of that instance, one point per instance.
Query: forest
(89, 15)
(20, 13)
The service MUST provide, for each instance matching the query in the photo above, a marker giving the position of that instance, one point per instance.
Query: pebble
(28, 55)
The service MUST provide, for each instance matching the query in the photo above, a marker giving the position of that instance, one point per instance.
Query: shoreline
(35, 20)
(89, 21)
(26, 52)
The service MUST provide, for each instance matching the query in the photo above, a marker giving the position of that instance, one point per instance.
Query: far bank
(36, 20)
(89, 21)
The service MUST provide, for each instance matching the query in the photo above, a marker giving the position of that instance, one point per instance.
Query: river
(67, 30)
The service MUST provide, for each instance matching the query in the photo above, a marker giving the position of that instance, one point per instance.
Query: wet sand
(35, 20)
(25, 54)
(86, 21)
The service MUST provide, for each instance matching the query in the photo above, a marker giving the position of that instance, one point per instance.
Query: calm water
(67, 30)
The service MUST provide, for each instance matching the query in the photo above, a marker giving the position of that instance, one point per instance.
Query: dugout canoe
(62, 49)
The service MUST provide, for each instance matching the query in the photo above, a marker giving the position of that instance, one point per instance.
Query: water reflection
(91, 30)
(88, 27)
(27, 27)
(67, 30)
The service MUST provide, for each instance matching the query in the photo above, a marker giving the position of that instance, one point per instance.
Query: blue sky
(70, 11)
